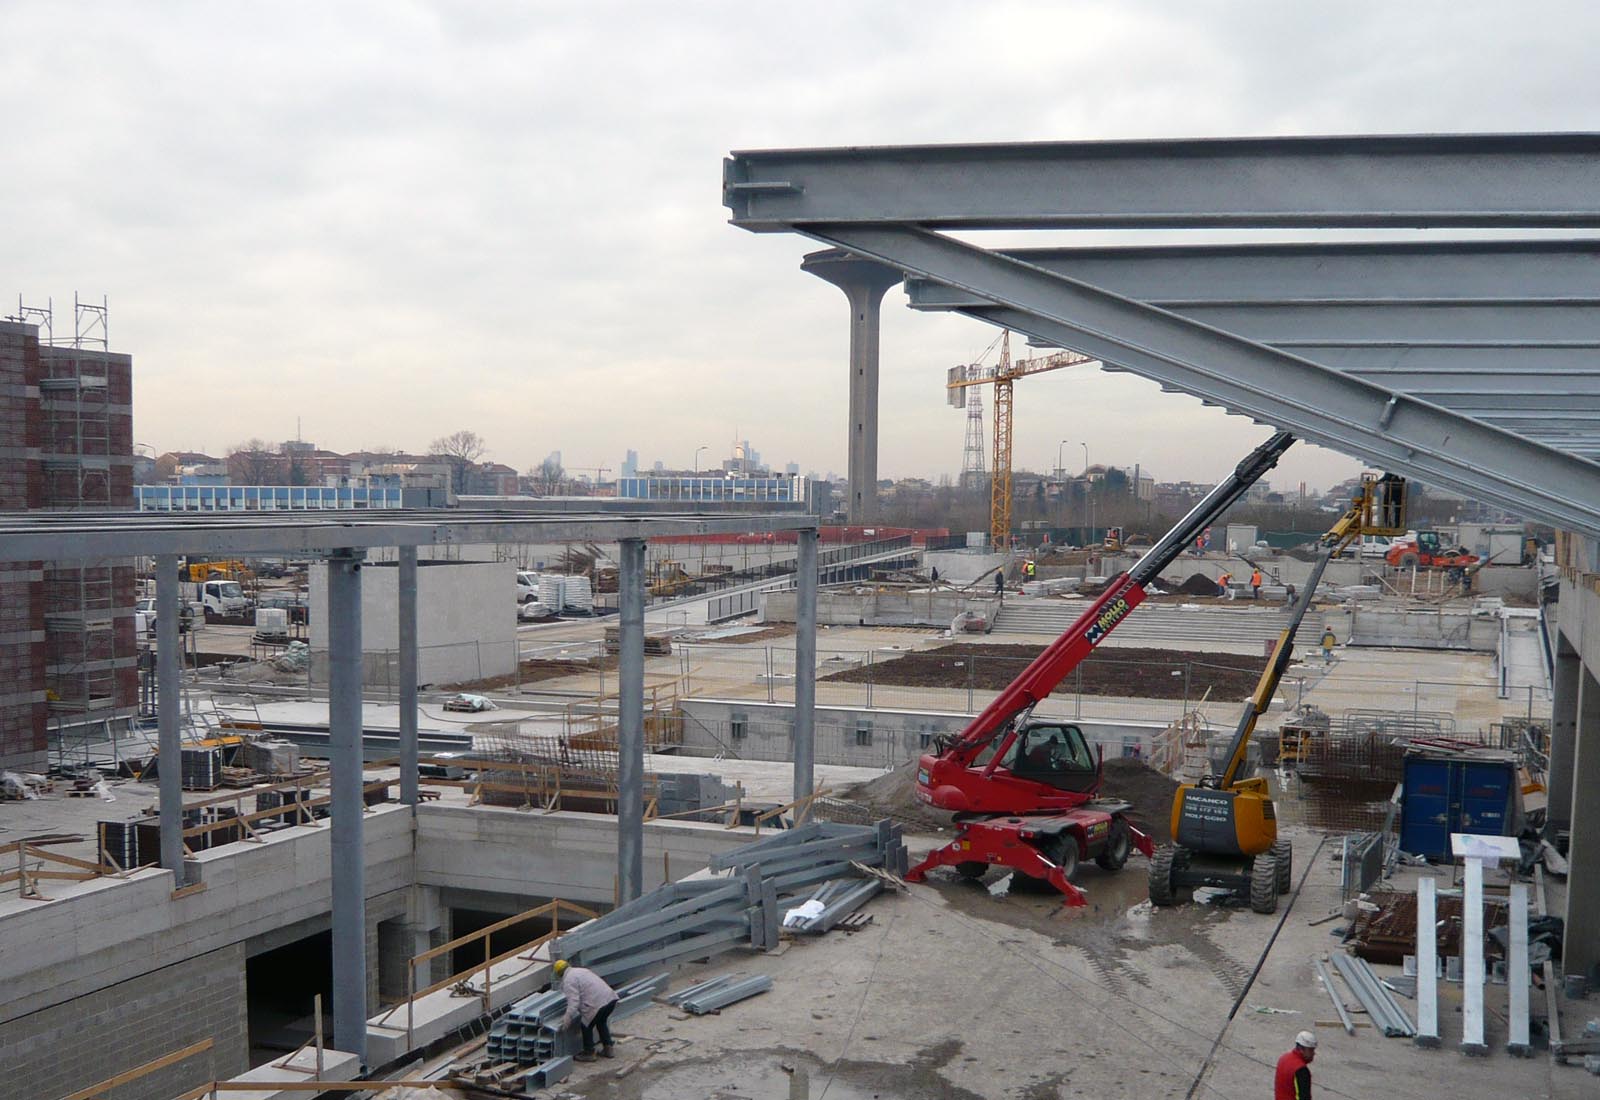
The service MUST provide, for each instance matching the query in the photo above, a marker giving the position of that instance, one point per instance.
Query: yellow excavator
(1224, 828)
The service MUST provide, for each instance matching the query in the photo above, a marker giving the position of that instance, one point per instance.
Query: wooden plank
(140, 1071)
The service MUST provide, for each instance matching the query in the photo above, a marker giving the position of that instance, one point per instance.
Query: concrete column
(1563, 735)
(1582, 945)
(864, 283)
(344, 759)
(169, 658)
(408, 675)
(805, 667)
(630, 720)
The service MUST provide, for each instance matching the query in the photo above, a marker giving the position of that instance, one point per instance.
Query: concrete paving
(954, 992)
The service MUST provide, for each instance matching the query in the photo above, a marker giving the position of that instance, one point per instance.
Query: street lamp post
(1061, 513)
(1088, 492)
(697, 450)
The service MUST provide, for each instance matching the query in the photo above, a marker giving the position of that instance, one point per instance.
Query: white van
(527, 587)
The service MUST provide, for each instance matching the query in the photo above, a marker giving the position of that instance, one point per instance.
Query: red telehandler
(1026, 793)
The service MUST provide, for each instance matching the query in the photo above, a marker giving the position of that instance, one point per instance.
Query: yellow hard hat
(561, 967)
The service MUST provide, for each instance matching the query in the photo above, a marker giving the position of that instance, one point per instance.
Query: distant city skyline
(299, 232)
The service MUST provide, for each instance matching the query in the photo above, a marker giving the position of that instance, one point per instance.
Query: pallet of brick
(201, 768)
(119, 844)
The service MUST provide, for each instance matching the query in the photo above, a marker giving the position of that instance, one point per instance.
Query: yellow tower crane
(1002, 375)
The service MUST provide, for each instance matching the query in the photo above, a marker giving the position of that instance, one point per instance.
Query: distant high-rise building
(791, 468)
(630, 464)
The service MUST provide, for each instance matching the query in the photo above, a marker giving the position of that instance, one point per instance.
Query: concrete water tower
(864, 283)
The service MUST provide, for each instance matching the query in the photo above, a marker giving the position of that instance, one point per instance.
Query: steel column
(1518, 976)
(805, 667)
(1427, 963)
(1563, 735)
(1472, 958)
(345, 760)
(1403, 181)
(408, 675)
(630, 720)
(169, 658)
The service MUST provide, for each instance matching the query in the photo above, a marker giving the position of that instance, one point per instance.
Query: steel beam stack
(695, 918)
(720, 992)
(529, 1034)
(1384, 1011)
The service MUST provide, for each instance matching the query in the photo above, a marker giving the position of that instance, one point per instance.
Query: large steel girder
(1401, 433)
(1417, 272)
(1403, 181)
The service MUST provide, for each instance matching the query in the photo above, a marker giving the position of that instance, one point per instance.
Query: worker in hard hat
(1293, 1079)
(589, 1001)
(1329, 640)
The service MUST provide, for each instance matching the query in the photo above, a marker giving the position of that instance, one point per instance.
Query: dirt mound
(1199, 584)
(1148, 790)
(894, 794)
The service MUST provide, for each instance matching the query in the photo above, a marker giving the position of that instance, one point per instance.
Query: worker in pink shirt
(589, 1001)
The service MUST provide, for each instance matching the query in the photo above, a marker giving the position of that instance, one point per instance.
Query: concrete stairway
(1157, 625)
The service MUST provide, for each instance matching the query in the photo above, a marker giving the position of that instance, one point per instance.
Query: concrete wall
(890, 739)
(962, 566)
(1415, 629)
(466, 619)
(567, 855)
(90, 950)
(892, 607)
(77, 1043)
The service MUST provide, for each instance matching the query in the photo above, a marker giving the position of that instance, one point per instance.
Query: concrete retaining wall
(564, 855)
(77, 1043)
(888, 739)
(888, 608)
(1415, 629)
(127, 953)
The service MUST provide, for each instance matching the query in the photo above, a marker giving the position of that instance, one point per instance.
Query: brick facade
(67, 648)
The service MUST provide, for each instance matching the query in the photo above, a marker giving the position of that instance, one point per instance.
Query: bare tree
(547, 477)
(255, 462)
(461, 450)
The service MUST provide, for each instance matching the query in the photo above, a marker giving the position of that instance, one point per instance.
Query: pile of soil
(894, 794)
(1137, 673)
(1199, 584)
(1148, 790)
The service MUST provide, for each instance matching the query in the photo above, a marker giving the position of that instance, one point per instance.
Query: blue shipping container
(1447, 794)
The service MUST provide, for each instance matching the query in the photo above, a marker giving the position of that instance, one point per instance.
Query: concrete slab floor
(955, 992)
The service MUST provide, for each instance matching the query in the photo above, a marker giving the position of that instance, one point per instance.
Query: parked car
(527, 587)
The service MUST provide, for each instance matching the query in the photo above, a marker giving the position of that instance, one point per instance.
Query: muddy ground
(1127, 672)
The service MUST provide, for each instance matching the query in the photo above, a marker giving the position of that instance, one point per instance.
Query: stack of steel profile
(528, 1032)
(818, 851)
(719, 992)
(1384, 1011)
(839, 898)
(699, 917)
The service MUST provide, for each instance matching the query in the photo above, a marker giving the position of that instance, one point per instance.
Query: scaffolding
(76, 458)
(86, 725)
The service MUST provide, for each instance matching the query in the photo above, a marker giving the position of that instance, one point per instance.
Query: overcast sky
(393, 220)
